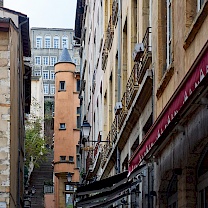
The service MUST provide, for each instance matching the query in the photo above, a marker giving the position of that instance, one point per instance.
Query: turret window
(62, 86)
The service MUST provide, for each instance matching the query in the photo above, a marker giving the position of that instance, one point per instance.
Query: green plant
(35, 150)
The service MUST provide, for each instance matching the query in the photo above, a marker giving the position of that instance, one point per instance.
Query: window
(199, 4)
(47, 41)
(45, 74)
(53, 60)
(45, 60)
(62, 158)
(65, 42)
(37, 73)
(69, 187)
(78, 161)
(202, 182)
(68, 198)
(62, 85)
(62, 126)
(52, 89)
(78, 118)
(173, 193)
(52, 75)
(37, 60)
(56, 42)
(78, 85)
(71, 159)
(169, 32)
(46, 89)
(38, 42)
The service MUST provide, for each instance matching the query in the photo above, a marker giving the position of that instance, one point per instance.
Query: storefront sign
(188, 87)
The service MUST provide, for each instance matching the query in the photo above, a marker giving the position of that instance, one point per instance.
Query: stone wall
(4, 118)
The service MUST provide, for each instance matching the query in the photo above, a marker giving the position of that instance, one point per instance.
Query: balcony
(146, 58)
(109, 34)
(132, 86)
(114, 12)
(123, 111)
(134, 100)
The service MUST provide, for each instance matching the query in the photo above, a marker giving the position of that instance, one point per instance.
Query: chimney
(1, 3)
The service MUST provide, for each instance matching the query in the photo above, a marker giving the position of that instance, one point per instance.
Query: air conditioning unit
(138, 51)
(118, 108)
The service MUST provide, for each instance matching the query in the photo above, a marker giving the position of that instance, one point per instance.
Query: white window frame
(45, 74)
(52, 73)
(53, 60)
(45, 60)
(46, 89)
(65, 42)
(169, 32)
(47, 41)
(56, 45)
(39, 42)
(37, 73)
(200, 4)
(37, 60)
(52, 89)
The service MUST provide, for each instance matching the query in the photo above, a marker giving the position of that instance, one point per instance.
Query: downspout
(119, 77)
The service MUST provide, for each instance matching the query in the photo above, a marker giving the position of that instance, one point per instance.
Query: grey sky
(46, 13)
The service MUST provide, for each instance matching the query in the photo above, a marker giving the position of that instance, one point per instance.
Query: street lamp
(69, 177)
(85, 128)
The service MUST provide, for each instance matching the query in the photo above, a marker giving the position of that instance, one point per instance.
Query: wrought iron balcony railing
(121, 117)
(132, 86)
(114, 12)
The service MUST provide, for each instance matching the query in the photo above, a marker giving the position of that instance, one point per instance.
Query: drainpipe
(119, 76)
(119, 50)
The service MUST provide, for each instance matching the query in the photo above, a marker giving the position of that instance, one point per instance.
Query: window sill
(61, 90)
(196, 25)
(64, 161)
(165, 79)
(62, 129)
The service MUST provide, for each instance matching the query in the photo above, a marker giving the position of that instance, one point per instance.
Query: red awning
(179, 99)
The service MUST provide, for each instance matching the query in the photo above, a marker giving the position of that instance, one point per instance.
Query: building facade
(66, 130)
(46, 46)
(15, 85)
(146, 103)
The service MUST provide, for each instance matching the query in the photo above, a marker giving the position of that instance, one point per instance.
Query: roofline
(13, 11)
(45, 28)
(64, 62)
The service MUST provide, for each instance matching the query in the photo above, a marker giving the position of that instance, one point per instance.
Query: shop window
(172, 192)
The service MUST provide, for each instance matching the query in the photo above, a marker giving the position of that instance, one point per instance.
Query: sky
(46, 13)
